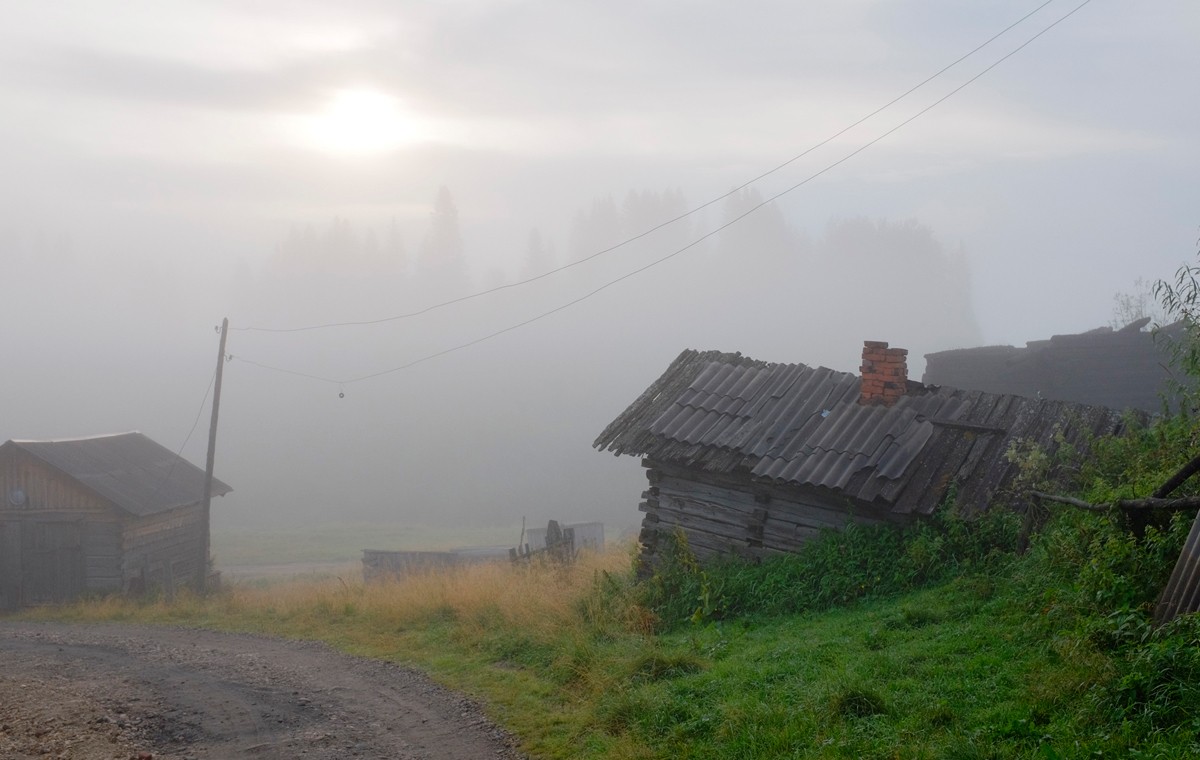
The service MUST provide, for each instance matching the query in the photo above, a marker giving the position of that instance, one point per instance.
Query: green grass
(936, 673)
(964, 668)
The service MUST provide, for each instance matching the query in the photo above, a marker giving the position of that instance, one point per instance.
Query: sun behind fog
(360, 121)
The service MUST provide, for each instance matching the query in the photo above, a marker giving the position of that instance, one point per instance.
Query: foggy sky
(159, 157)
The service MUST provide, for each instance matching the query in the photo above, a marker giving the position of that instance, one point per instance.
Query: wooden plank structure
(1124, 368)
(382, 564)
(558, 546)
(588, 535)
(116, 513)
(1182, 594)
(750, 458)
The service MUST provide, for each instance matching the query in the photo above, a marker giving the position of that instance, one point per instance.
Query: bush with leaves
(1093, 582)
(837, 567)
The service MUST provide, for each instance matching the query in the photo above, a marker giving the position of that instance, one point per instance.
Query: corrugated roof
(803, 426)
(130, 470)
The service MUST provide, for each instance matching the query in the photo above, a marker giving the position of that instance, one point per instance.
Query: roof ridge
(76, 438)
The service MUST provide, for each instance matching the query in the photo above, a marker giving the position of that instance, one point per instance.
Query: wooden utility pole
(202, 570)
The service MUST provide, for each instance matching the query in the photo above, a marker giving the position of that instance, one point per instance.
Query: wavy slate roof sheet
(802, 426)
(130, 470)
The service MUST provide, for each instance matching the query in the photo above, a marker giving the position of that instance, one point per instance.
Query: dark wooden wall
(63, 541)
(162, 550)
(1118, 369)
(66, 540)
(731, 516)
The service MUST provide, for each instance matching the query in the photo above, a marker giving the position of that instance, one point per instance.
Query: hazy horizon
(301, 164)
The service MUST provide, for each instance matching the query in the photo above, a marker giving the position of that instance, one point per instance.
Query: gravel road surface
(122, 692)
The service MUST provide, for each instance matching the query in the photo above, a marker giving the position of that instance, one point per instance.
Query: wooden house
(95, 515)
(1127, 368)
(749, 458)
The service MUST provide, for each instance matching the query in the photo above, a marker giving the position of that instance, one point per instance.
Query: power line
(667, 223)
(695, 242)
(182, 446)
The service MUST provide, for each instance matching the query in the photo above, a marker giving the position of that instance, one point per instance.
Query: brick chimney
(884, 373)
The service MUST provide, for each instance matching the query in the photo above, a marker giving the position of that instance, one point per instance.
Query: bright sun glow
(360, 122)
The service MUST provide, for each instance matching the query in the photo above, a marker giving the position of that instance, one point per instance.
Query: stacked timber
(720, 517)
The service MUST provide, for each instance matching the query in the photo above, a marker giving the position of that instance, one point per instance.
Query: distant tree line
(890, 278)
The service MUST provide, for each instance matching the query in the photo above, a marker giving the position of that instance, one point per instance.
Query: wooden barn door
(10, 565)
(51, 561)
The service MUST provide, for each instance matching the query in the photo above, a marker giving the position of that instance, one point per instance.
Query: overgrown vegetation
(841, 567)
(937, 640)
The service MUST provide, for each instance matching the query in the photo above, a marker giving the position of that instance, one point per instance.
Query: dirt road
(115, 692)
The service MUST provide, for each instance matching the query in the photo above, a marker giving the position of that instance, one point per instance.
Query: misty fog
(146, 198)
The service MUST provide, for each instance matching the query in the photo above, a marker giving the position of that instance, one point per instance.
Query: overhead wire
(661, 225)
(690, 245)
(182, 446)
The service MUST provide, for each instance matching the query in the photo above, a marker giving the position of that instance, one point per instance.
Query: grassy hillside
(937, 641)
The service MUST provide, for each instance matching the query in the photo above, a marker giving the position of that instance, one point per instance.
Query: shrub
(837, 567)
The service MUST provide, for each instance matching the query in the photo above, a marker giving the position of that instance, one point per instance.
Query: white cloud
(207, 34)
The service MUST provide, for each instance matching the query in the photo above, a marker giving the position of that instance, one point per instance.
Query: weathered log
(1078, 503)
(1191, 502)
(735, 484)
(740, 506)
(710, 522)
(1178, 479)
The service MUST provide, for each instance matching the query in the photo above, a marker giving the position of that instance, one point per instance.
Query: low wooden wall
(724, 516)
(380, 564)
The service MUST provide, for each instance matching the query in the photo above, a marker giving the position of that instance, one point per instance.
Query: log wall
(723, 515)
(162, 550)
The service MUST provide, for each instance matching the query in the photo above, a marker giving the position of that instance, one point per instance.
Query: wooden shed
(95, 515)
(750, 458)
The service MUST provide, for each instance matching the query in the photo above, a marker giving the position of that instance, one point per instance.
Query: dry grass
(541, 600)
